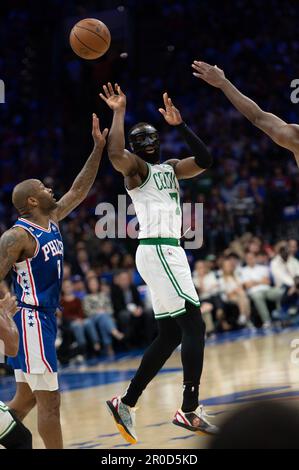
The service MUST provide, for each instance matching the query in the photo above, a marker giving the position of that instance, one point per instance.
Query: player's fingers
(5, 299)
(165, 98)
(110, 88)
(94, 121)
(201, 65)
(198, 68)
(199, 75)
(106, 91)
(119, 90)
(105, 132)
(103, 97)
(170, 102)
(162, 111)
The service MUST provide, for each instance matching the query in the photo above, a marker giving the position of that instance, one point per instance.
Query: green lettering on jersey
(158, 183)
(165, 180)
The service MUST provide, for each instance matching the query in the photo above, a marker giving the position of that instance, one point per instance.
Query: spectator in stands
(233, 292)
(208, 288)
(256, 281)
(78, 285)
(293, 248)
(67, 271)
(133, 320)
(290, 299)
(82, 265)
(284, 267)
(72, 313)
(97, 307)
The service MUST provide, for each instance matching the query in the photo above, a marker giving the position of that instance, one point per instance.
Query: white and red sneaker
(195, 421)
(124, 418)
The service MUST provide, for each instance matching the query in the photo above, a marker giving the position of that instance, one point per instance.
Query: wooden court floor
(238, 369)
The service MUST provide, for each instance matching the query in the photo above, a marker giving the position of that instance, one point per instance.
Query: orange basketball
(90, 38)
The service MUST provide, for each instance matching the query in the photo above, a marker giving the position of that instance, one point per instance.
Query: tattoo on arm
(12, 244)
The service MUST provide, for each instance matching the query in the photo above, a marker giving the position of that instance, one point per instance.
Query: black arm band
(202, 156)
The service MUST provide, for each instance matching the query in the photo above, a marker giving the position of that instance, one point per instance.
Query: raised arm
(190, 166)
(85, 179)
(283, 134)
(122, 160)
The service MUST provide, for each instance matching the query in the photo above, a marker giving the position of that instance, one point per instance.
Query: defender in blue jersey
(33, 250)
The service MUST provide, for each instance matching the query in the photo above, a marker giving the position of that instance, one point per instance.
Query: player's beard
(47, 205)
(151, 158)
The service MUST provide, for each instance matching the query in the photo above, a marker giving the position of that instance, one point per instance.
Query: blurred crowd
(251, 284)
(253, 186)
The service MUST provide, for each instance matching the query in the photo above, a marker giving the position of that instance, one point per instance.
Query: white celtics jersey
(157, 203)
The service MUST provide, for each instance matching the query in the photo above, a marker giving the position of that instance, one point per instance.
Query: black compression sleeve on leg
(168, 339)
(18, 438)
(202, 156)
(192, 353)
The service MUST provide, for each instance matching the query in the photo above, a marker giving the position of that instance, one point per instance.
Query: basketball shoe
(124, 418)
(195, 421)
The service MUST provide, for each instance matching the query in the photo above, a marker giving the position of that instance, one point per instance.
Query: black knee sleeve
(192, 320)
(18, 438)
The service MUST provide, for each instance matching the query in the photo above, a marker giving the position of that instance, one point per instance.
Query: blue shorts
(37, 352)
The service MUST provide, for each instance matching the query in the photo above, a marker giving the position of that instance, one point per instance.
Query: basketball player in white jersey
(13, 434)
(284, 134)
(154, 189)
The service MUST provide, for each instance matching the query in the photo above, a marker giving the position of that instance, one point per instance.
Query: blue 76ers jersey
(37, 280)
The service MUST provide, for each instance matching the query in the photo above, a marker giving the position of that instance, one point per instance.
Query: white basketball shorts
(166, 271)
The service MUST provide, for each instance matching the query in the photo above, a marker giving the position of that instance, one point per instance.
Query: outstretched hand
(8, 305)
(99, 137)
(114, 98)
(209, 73)
(171, 114)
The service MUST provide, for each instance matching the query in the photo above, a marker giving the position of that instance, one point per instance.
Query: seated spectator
(73, 315)
(98, 308)
(208, 288)
(78, 285)
(236, 262)
(290, 299)
(256, 281)
(233, 292)
(206, 311)
(293, 248)
(133, 319)
(67, 271)
(284, 267)
(82, 264)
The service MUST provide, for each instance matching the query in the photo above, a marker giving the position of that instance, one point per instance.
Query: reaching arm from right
(283, 134)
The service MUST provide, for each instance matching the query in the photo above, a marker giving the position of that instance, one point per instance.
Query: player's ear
(32, 201)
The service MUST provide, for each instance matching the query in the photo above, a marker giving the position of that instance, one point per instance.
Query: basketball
(90, 38)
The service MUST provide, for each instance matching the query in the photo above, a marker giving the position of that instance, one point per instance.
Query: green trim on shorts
(160, 241)
(4, 408)
(175, 313)
(173, 279)
(148, 176)
(159, 316)
(178, 314)
(8, 429)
